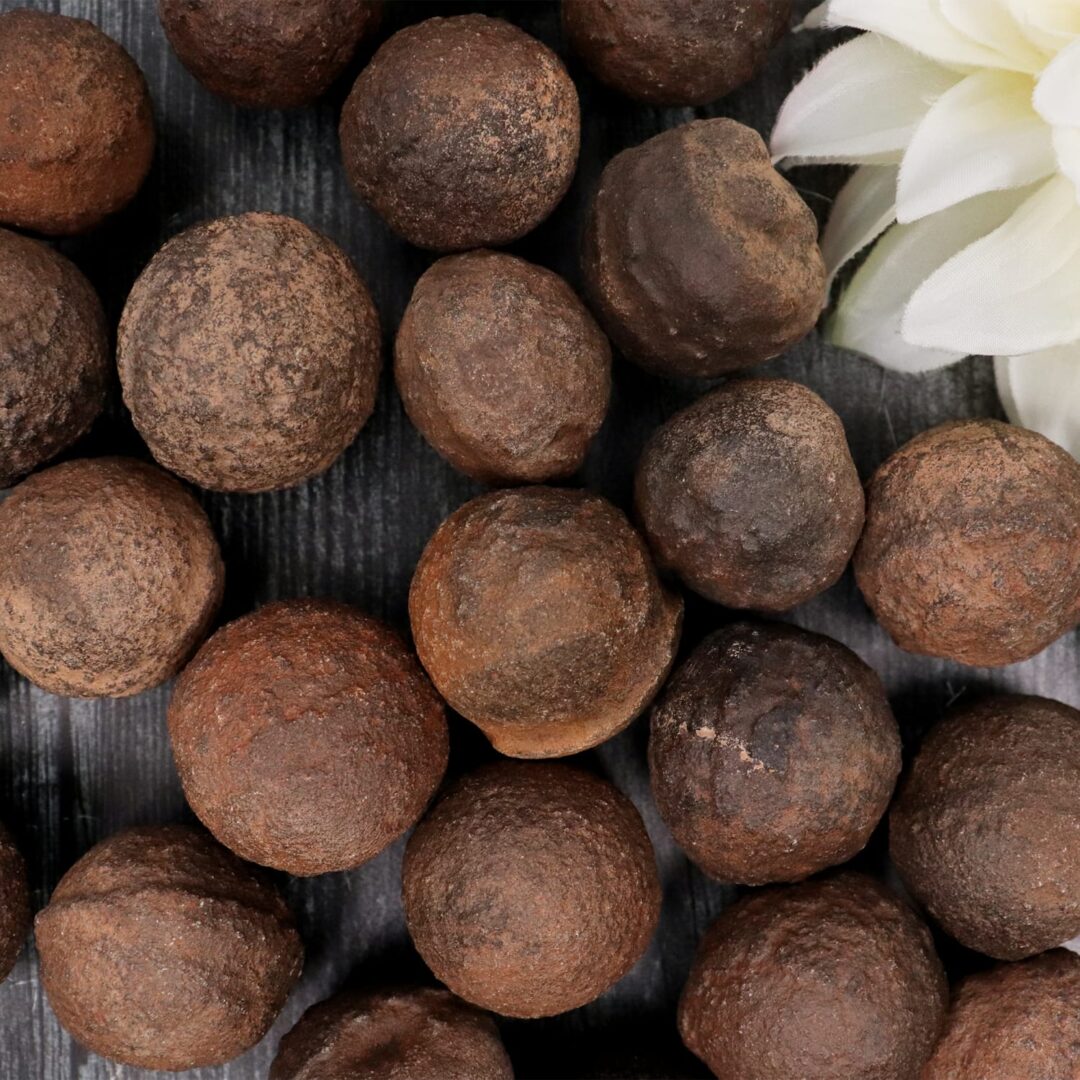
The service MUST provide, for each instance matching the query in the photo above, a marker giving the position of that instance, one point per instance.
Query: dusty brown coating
(54, 355)
(14, 903)
(249, 353)
(972, 543)
(773, 753)
(828, 979)
(502, 369)
(985, 830)
(530, 888)
(76, 125)
(452, 162)
(307, 737)
(699, 257)
(750, 495)
(110, 575)
(539, 616)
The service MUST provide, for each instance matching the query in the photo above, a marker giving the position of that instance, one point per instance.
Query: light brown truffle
(14, 903)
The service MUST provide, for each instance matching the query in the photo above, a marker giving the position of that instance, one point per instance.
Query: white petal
(1057, 93)
(1050, 24)
(864, 209)
(991, 23)
(1067, 148)
(1042, 392)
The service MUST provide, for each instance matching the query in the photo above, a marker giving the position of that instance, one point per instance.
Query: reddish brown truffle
(76, 125)
(539, 616)
(773, 753)
(530, 888)
(307, 737)
(453, 162)
(502, 369)
(750, 495)
(54, 354)
(699, 257)
(972, 544)
(985, 828)
(249, 353)
(109, 577)
(14, 903)
(828, 979)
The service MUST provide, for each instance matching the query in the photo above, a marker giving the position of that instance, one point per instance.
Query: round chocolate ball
(14, 903)
(539, 616)
(773, 753)
(109, 577)
(502, 369)
(674, 52)
(249, 353)
(274, 54)
(161, 950)
(972, 543)
(530, 888)
(828, 979)
(307, 737)
(54, 354)
(984, 830)
(76, 124)
(750, 495)
(699, 257)
(462, 132)
(407, 1034)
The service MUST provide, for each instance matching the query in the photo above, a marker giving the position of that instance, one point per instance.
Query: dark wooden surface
(72, 772)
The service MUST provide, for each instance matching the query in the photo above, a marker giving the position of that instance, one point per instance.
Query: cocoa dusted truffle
(750, 495)
(984, 830)
(539, 616)
(14, 903)
(462, 132)
(972, 544)
(249, 353)
(76, 125)
(161, 950)
(109, 577)
(307, 737)
(530, 888)
(828, 979)
(699, 257)
(502, 369)
(773, 753)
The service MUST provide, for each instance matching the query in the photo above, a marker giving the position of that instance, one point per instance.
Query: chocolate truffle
(674, 52)
(307, 737)
(972, 543)
(828, 979)
(76, 126)
(984, 830)
(54, 354)
(530, 888)
(416, 1034)
(699, 257)
(109, 577)
(14, 903)
(249, 353)
(773, 753)
(462, 132)
(750, 495)
(539, 617)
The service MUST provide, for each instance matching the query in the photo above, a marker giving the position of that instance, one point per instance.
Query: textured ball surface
(14, 903)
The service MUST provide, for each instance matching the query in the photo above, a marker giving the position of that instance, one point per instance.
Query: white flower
(963, 117)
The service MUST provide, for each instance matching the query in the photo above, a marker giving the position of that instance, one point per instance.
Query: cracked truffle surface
(14, 903)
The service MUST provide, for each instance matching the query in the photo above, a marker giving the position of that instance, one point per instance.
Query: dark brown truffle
(674, 52)
(54, 354)
(160, 949)
(529, 889)
(700, 258)
(539, 616)
(773, 753)
(14, 903)
(307, 737)
(453, 162)
(502, 369)
(972, 543)
(750, 495)
(249, 353)
(76, 126)
(984, 830)
(109, 577)
(420, 1034)
(827, 979)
